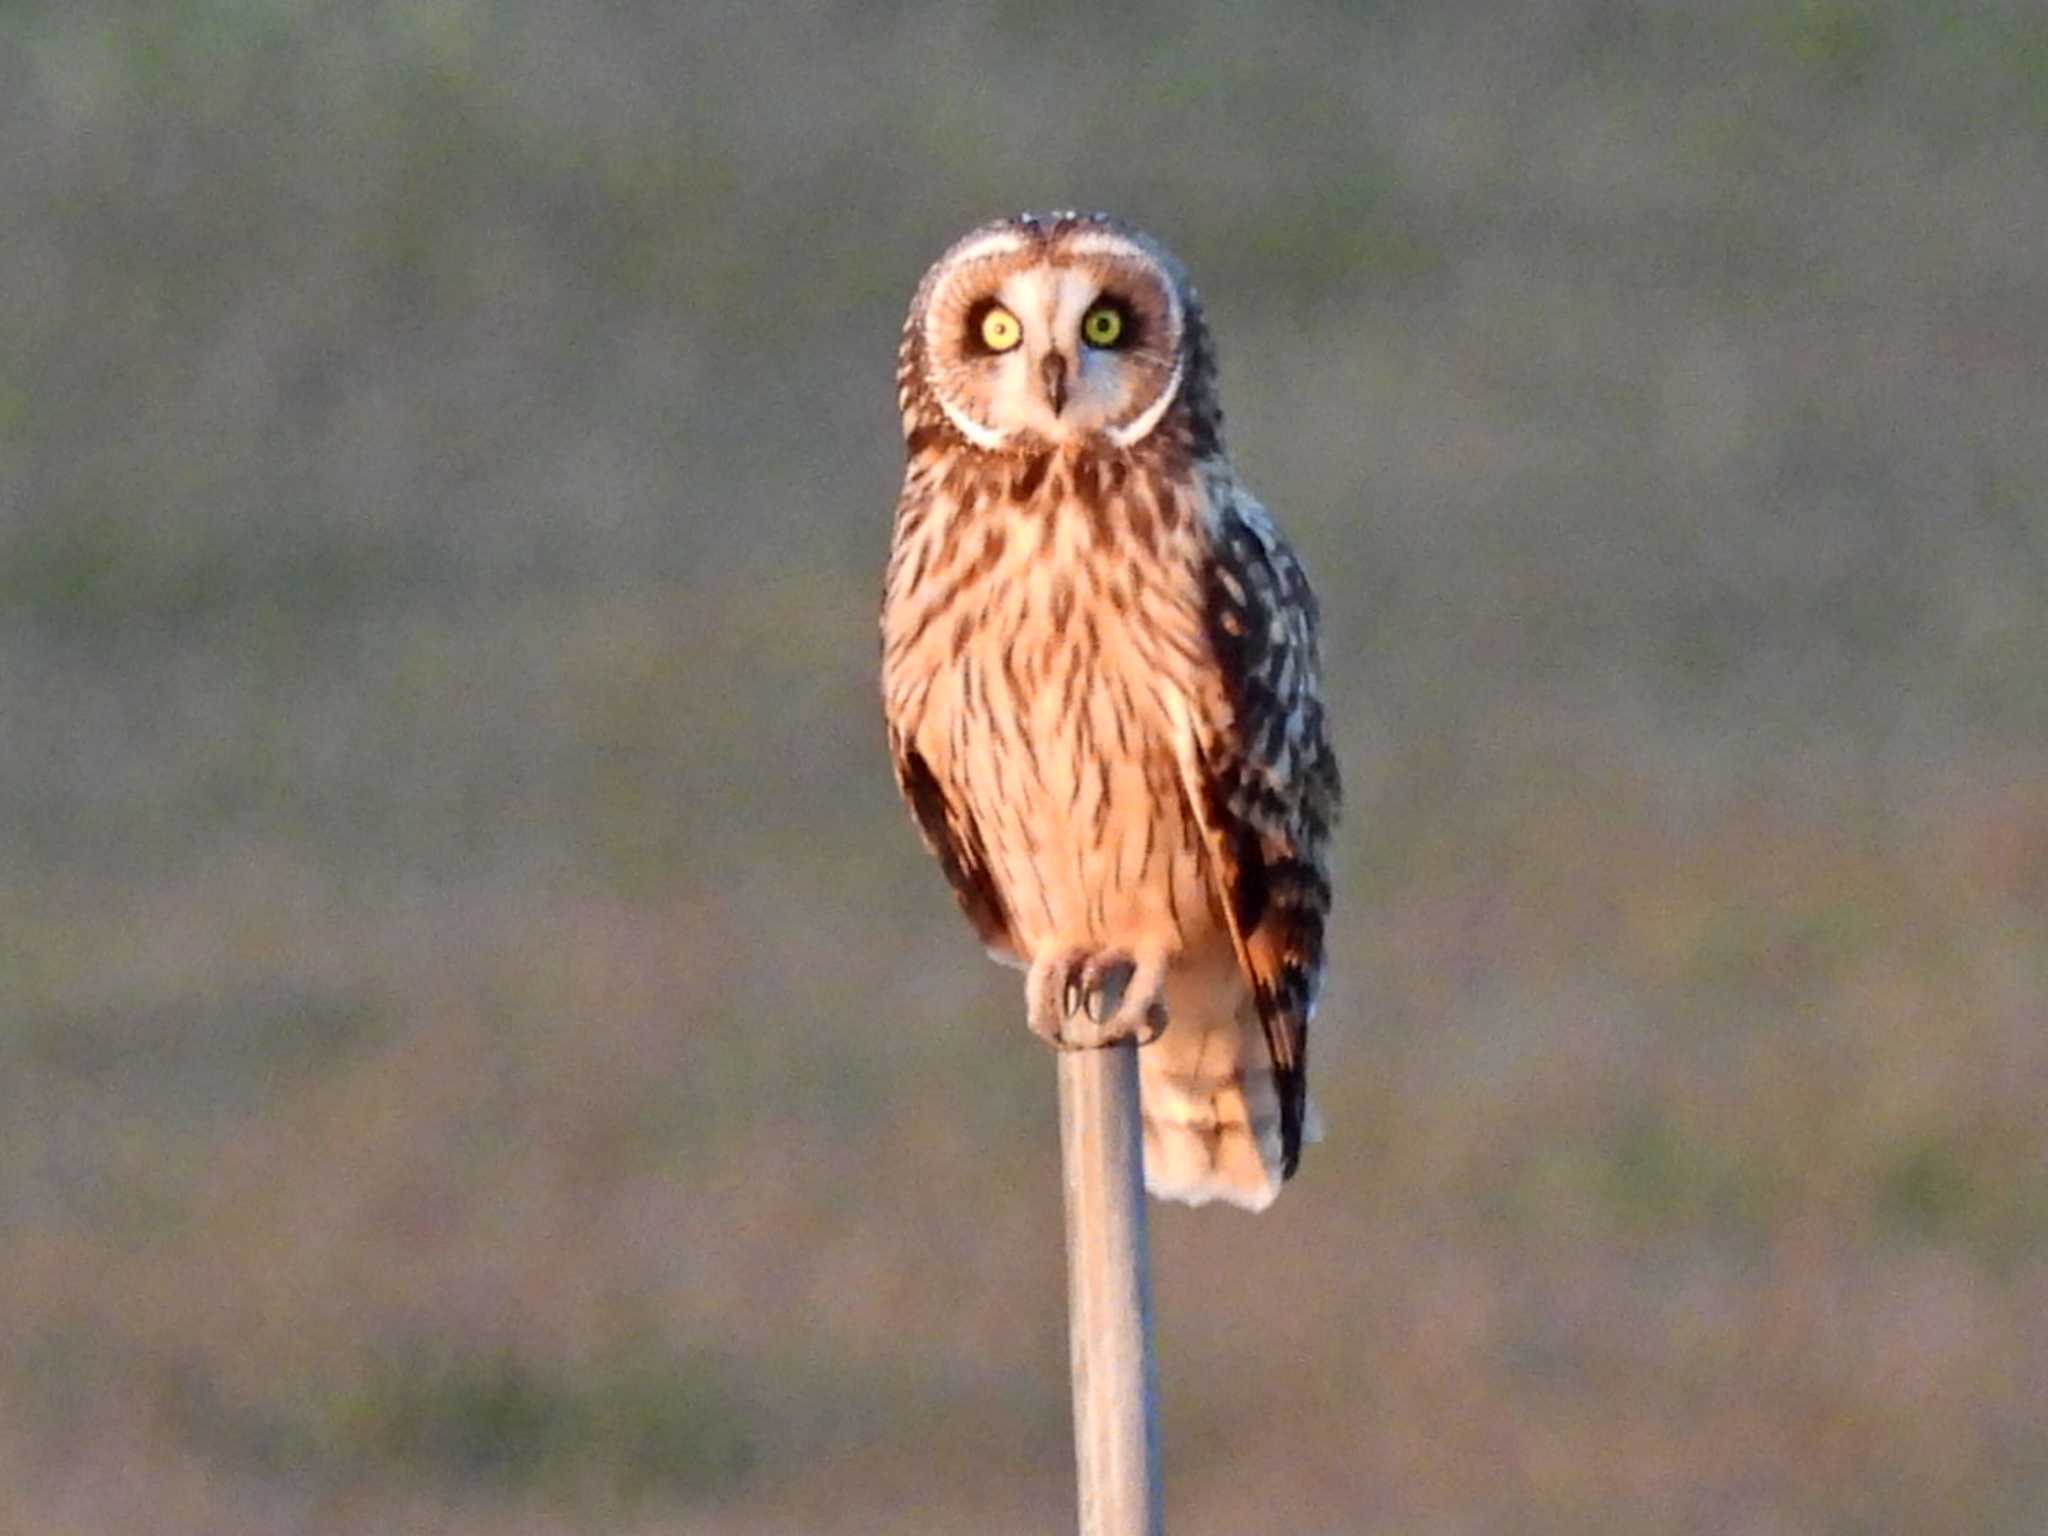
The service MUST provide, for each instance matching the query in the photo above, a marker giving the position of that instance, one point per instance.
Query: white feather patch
(1136, 428)
(997, 242)
(1102, 242)
(976, 433)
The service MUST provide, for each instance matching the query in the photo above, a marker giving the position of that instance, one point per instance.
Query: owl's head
(1052, 329)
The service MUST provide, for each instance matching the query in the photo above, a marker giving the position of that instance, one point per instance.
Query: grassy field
(481, 1049)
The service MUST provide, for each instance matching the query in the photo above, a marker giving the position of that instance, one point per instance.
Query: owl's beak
(1052, 369)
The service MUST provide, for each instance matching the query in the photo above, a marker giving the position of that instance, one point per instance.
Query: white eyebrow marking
(997, 242)
(1102, 242)
(1031, 295)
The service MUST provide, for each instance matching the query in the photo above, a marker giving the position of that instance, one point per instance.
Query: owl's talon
(1108, 978)
(1080, 1001)
(1052, 998)
(1154, 1023)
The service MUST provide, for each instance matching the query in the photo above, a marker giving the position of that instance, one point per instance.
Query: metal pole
(1109, 1294)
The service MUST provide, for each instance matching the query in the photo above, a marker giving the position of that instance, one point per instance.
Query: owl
(1100, 680)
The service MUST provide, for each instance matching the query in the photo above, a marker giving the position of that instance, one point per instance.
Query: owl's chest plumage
(1045, 654)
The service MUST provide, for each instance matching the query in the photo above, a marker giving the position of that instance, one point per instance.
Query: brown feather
(957, 845)
(1268, 790)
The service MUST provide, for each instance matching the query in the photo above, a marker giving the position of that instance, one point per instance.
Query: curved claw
(1076, 1000)
(1108, 978)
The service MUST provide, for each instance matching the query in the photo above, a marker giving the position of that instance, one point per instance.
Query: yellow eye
(1000, 330)
(1102, 326)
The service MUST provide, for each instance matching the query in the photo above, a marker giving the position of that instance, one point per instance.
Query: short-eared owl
(1099, 671)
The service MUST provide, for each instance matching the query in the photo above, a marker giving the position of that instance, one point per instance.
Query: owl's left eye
(1103, 326)
(998, 329)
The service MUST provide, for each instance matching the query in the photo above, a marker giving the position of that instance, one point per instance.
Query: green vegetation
(645, 1426)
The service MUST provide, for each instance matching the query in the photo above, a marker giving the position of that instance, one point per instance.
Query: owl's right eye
(998, 330)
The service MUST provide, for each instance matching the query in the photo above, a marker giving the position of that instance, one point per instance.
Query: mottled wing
(953, 839)
(1266, 787)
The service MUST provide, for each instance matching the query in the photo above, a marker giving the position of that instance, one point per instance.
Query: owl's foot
(1080, 1001)
(1050, 996)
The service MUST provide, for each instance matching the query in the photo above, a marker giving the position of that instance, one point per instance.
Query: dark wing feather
(954, 840)
(1268, 790)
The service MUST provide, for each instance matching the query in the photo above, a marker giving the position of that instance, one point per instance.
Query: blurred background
(481, 1047)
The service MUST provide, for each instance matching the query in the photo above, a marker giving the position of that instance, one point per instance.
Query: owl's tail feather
(1210, 1107)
